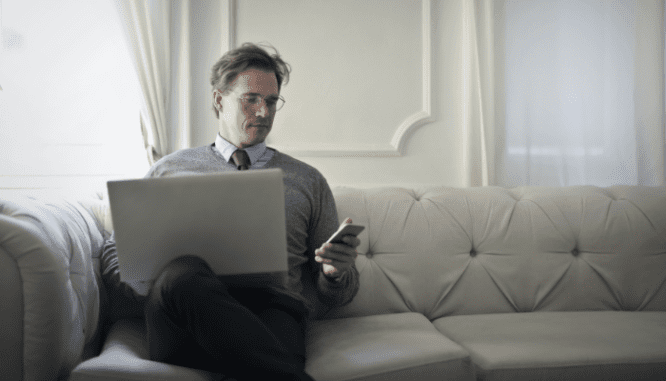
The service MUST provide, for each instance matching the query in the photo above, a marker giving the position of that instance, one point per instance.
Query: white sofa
(456, 284)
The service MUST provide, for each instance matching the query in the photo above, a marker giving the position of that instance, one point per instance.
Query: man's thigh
(169, 336)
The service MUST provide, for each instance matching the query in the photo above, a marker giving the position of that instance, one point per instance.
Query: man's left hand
(337, 258)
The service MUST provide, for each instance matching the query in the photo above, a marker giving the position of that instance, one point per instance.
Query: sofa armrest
(49, 247)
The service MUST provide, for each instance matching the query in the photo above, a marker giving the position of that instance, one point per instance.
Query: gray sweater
(311, 218)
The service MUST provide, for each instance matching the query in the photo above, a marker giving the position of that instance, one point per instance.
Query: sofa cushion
(402, 346)
(592, 345)
(384, 347)
(124, 357)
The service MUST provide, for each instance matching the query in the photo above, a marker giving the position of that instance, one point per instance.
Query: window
(578, 111)
(69, 105)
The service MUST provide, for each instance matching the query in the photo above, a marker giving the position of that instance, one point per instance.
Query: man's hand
(337, 258)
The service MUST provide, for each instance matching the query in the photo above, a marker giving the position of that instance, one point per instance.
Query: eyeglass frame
(244, 98)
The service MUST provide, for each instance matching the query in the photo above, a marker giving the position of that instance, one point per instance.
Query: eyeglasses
(273, 103)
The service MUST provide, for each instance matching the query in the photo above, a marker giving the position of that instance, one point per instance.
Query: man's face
(242, 123)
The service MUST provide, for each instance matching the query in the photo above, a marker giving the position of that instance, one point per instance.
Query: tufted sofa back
(448, 251)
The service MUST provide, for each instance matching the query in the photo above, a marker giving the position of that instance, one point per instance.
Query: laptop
(235, 221)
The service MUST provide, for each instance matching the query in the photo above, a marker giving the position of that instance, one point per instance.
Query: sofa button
(472, 253)
(368, 255)
(575, 252)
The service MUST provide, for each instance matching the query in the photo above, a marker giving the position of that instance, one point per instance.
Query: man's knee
(185, 264)
(183, 276)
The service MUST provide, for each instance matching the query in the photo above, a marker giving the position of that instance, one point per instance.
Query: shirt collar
(227, 149)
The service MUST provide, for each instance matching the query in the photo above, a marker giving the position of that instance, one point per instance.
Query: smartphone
(345, 229)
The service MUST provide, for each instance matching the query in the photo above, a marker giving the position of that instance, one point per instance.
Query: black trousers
(194, 320)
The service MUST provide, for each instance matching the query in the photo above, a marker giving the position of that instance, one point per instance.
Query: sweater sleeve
(124, 301)
(331, 292)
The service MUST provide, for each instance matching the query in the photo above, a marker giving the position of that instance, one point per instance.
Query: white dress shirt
(259, 154)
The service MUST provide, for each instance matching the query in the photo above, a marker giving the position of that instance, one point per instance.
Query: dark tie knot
(241, 159)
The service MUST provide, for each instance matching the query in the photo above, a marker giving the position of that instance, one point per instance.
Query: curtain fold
(563, 92)
(478, 93)
(649, 94)
(157, 32)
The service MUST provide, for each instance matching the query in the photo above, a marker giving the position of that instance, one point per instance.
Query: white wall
(375, 92)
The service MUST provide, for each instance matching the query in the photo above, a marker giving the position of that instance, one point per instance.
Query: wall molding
(228, 25)
(397, 144)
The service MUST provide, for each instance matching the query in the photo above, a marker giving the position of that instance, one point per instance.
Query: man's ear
(217, 99)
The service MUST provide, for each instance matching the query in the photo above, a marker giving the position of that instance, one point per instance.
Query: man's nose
(263, 109)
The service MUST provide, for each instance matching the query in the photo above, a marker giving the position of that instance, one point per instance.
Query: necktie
(241, 159)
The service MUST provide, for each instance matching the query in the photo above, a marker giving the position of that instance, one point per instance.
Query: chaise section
(586, 345)
(402, 346)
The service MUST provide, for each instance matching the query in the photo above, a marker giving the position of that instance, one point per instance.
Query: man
(253, 330)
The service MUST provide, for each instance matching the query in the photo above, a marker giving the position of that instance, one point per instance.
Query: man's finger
(338, 249)
(327, 258)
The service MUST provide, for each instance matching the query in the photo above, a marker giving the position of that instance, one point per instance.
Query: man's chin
(254, 141)
(260, 133)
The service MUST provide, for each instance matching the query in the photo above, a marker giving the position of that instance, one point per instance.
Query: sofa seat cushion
(403, 346)
(582, 345)
(125, 358)
(384, 347)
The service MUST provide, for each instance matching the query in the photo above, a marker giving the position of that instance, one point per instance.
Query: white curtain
(564, 92)
(157, 32)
